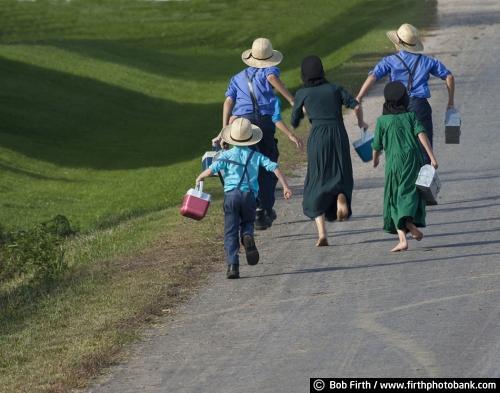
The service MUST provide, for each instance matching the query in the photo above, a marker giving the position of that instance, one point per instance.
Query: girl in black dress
(329, 182)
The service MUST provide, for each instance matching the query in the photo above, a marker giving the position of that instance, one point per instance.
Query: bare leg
(415, 233)
(342, 209)
(322, 236)
(403, 244)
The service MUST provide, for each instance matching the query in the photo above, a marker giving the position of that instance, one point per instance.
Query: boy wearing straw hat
(413, 69)
(250, 95)
(241, 168)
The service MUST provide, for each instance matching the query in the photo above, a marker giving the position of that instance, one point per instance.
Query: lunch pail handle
(363, 133)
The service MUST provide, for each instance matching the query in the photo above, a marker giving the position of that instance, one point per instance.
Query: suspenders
(411, 73)
(255, 104)
(245, 169)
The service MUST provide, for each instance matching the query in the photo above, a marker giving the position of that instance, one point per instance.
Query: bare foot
(342, 209)
(401, 246)
(415, 233)
(322, 242)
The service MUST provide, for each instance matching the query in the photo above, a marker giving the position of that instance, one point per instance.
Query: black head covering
(312, 71)
(396, 99)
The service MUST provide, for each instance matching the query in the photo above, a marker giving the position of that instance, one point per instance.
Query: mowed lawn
(106, 107)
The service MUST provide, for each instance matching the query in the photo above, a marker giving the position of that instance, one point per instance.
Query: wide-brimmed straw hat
(262, 54)
(241, 133)
(406, 38)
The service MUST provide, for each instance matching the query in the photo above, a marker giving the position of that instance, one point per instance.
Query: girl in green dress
(398, 132)
(328, 184)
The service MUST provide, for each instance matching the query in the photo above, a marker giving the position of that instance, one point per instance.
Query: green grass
(56, 339)
(106, 107)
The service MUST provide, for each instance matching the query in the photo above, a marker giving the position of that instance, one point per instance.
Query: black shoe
(250, 249)
(262, 220)
(233, 271)
(273, 215)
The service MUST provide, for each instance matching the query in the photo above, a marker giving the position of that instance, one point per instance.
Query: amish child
(413, 68)
(241, 167)
(250, 95)
(281, 125)
(398, 133)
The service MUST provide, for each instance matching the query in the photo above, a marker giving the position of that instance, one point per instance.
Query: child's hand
(434, 163)
(287, 193)
(219, 141)
(363, 125)
(376, 161)
(298, 142)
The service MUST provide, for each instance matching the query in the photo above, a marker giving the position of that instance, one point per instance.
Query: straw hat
(241, 133)
(406, 38)
(262, 54)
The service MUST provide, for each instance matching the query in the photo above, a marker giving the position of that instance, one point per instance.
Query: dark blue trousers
(423, 110)
(239, 217)
(269, 147)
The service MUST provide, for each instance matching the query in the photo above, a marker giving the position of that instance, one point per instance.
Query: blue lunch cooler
(363, 146)
(209, 157)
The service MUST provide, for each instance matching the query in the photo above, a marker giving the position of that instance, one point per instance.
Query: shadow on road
(384, 264)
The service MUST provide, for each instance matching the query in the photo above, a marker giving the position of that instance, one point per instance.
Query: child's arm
(290, 134)
(376, 158)
(287, 193)
(227, 109)
(206, 173)
(450, 85)
(422, 137)
(367, 85)
(377, 144)
(358, 111)
(278, 85)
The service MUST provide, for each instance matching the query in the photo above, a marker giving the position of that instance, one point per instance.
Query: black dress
(329, 167)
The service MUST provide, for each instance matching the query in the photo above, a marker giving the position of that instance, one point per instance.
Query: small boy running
(241, 168)
(398, 133)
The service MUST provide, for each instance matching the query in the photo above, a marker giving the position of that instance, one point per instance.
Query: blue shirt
(234, 172)
(277, 111)
(239, 92)
(426, 66)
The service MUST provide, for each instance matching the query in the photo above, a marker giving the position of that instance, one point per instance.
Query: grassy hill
(106, 107)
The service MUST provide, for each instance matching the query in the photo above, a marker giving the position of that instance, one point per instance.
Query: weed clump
(37, 253)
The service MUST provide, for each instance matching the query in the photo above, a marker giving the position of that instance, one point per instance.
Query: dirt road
(354, 309)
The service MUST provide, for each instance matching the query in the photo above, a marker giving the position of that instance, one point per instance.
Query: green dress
(397, 135)
(329, 167)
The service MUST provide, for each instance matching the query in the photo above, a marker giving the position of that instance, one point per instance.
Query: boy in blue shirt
(250, 95)
(413, 69)
(241, 187)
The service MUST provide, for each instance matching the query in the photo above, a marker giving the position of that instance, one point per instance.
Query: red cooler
(195, 203)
